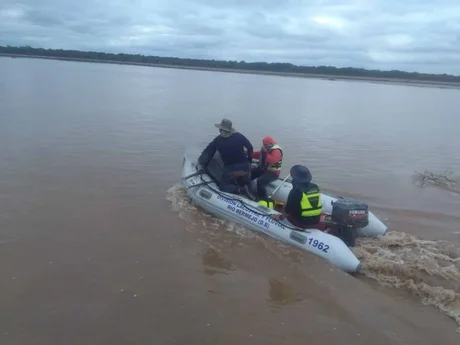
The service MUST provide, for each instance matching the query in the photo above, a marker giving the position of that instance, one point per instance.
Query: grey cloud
(411, 35)
(43, 18)
(82, 28)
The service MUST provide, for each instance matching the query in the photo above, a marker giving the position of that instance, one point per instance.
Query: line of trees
(235, 65)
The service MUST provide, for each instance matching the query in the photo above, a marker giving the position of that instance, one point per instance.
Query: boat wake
(197, 219)
(429, 270)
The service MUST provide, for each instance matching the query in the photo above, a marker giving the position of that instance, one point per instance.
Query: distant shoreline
(331, 77)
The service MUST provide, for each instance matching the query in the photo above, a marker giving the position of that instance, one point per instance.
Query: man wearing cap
(303, 206)
(268, 169)
(231, 146)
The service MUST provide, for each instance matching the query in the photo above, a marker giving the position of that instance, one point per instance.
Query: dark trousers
(235, 176)
(263, 179)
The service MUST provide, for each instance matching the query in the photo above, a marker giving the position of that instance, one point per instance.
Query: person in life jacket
(303, 206)
(268, 169)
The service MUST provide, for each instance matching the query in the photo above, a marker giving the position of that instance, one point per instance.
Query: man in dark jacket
(304, 206)
(231, 146)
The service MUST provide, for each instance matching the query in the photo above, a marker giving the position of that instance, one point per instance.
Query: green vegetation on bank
(229, 65)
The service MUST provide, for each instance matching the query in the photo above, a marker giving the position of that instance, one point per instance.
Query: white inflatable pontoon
(205, 193)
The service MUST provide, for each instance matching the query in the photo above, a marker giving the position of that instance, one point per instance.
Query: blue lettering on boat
(263, 220)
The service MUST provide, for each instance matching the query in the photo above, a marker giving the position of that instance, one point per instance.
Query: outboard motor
(347, 216)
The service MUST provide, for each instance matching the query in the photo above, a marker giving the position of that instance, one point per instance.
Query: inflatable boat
(202, 188)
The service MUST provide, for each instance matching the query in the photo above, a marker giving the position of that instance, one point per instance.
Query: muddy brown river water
(100, 245)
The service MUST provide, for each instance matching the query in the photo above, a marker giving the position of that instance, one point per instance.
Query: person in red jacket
(268, 169)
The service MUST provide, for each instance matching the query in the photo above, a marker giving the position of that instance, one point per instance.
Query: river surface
(100, 245)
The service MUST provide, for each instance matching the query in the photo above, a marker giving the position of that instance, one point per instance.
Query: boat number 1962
(317, 244)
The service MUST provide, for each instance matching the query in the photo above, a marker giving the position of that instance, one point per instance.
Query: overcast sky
(413, 35)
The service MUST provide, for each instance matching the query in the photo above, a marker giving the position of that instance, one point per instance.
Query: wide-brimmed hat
(225, 125)
(301, 174)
